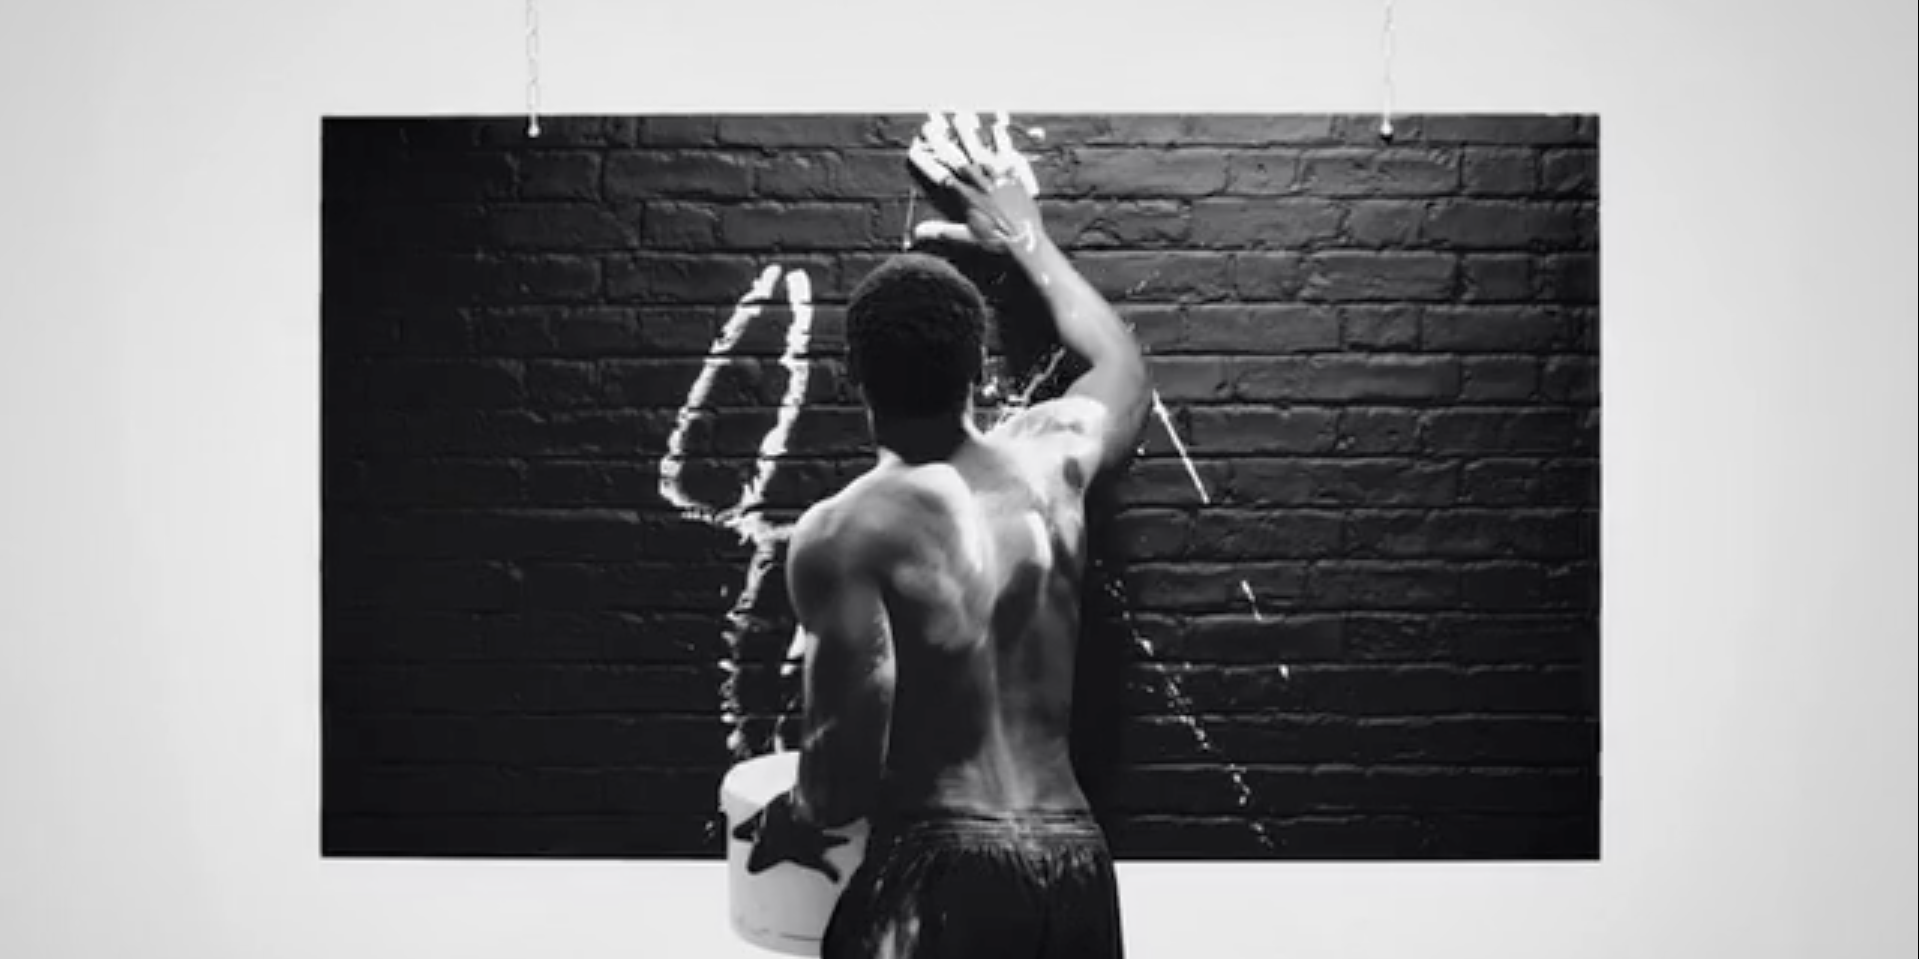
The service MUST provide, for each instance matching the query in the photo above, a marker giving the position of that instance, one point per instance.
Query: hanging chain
(532, 68)
(1386, 52)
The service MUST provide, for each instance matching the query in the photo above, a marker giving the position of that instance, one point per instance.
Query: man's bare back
(939, 599)
(978, 559)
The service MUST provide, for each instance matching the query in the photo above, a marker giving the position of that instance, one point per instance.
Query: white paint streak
(717, 357)
(799, 332)
(743, 517)
(1179, 445)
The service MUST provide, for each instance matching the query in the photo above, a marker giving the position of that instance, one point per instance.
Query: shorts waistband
(1051, 825)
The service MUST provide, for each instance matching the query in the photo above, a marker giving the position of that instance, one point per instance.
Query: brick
(553, 279)
(806, 226)
(1056, 128)
(680, 226)
(470, 384)
(1211, 587)
(1575, 585)
(1243, 638)
(1517, 586)
(1352, 276)
(687, 587)
(1497, 329)
(590, 482)
(1550, 638)
(1352, 584)
(1267, 276)
(575, 331)
(649, 174)
(1167, 482)
(1586, 224)
(1496, 278)
(1468, 534)
(530, 740)
(1262, 172)
(420, 585)
(1260, 429)
(1474, 740)
(1216, 128)
(1146, 173)
(560, 176)
(557, 132)
(1345, 379)
(1503, 431)
(1159, 328)
(1263, 535)
(1264, 329)
(1385, 327)
(1573, 482)
(1373, 689)
(1150, 534)
(1157, 276)
(527, 688)
(452, 176)
(1498, 172)
(1108, 224)
(443, 482)
(878, 174)
(561, 383)
(668, 130)
(1570, 172)
(1571, 379)
(795, 174)
(1502, 129)
(1391, 172)
(1500, 482)
(1187, 379)
(559, 227)
(1384, 223)
(802, 130)
(1375, 431)
(1371, 481)
(1502, 224)
(1569, 278)
(679, 278)
(1498, 379)
(1264, 224)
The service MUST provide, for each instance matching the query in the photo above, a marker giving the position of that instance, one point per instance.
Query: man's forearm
(838, 779)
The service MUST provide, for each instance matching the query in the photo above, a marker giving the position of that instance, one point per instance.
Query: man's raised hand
(984, 189)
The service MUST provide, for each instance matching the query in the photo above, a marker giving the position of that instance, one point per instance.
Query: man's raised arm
(1090, 327)
(1109, 403)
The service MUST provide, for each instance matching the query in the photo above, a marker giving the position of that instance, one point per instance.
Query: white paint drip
(1192, 471)
(1184, 713)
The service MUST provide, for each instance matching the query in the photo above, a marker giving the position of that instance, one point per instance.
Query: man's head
(915, 332)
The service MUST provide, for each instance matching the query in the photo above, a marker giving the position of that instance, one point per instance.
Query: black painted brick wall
(1383, 358)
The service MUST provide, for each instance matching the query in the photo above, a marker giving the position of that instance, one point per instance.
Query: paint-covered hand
(986, 191)
(778, 836)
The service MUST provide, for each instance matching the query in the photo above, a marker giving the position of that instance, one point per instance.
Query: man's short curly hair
(915, 329)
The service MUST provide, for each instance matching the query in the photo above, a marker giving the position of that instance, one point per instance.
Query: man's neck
(923, 439)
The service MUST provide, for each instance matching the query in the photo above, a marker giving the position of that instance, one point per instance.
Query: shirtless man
(939, 594)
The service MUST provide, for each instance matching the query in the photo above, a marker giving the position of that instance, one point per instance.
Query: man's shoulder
(1066, 415)
(854, 521)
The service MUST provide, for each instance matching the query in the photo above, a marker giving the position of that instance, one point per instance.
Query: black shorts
(960, 886)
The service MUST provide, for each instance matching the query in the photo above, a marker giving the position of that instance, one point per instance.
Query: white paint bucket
(785, 908)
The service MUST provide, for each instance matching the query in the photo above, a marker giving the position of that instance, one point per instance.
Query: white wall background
(159, 473)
